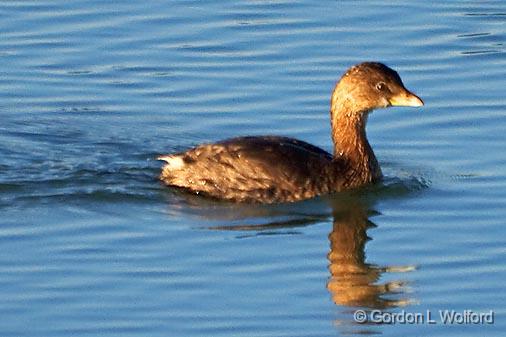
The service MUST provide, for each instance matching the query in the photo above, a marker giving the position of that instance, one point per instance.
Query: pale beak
(405, 98)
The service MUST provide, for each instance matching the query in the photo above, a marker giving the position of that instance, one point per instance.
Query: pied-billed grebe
(271, 169)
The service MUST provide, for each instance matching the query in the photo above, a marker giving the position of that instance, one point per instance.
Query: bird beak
(405, 98)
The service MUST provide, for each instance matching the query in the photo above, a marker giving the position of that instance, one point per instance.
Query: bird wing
(249, 168)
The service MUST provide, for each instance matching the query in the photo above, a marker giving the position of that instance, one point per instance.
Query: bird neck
(350, 142)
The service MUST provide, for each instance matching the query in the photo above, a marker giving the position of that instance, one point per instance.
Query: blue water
(93, 245)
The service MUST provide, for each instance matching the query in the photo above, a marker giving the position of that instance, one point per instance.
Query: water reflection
(353, 282)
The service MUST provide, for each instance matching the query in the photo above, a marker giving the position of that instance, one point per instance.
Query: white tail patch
(174, 162)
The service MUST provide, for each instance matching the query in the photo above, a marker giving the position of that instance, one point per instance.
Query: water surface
(93, 245)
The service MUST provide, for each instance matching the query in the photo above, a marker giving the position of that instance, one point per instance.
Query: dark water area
(93, 245)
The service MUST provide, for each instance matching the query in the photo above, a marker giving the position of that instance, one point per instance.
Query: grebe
(268, 169)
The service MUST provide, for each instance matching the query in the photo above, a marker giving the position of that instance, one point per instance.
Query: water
(93, 245)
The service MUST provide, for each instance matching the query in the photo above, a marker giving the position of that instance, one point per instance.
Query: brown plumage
(271, 169)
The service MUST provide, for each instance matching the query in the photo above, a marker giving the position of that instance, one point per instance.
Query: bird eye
(380, 86)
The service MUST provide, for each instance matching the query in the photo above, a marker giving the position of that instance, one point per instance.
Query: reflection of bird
(354, 282)
(275, 169)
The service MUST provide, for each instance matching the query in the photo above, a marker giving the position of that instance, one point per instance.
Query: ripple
(92, 244)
